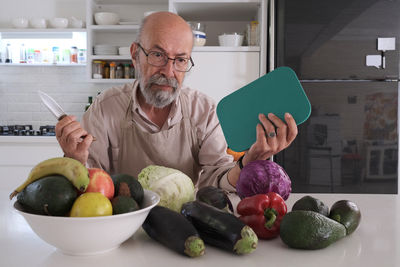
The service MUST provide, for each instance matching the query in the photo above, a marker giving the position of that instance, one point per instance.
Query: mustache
(162, 80)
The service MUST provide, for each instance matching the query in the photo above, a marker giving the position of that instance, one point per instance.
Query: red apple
(100, 181)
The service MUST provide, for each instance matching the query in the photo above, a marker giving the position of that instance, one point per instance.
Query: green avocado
(311, 203)
(50, 195)
(309, 230)
(127, 185)
(346, 213)
(123, 204)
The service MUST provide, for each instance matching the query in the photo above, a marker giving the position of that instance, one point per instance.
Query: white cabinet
(219, 73)
(131, 13)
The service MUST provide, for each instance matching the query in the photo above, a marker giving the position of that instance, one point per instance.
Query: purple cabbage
(261, 177)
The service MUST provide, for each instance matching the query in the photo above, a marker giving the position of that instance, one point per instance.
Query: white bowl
(233, 39)
(58, 23)
(38, 23)
(106, 18)
(89, 235)
(76, 23)
(20, 23)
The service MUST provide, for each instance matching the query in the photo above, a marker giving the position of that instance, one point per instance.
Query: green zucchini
(172, 230)
(219, 228)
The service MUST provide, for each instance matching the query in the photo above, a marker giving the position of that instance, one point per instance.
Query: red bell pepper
(263, 213)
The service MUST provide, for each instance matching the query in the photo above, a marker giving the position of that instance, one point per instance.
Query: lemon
(90, 205)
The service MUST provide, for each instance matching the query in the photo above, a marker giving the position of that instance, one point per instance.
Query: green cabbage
(173, 186)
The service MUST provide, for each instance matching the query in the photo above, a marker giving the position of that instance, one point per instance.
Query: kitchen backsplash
(20, 103)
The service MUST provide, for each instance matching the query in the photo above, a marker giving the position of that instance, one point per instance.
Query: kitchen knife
(277, 92)
(54, 107)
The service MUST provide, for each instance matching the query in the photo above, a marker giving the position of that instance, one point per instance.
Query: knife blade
(54, 107)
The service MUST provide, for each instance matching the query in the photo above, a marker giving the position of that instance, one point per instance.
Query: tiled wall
(20, 103)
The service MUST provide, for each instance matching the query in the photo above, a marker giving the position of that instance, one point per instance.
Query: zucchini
(219, 228)
(172, 230)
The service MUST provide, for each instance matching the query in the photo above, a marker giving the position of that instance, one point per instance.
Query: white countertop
(28, 139)
(375, 243)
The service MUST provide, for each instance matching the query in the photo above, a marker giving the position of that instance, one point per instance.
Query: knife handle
(65, 115)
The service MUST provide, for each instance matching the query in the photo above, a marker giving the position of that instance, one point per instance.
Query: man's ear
(134, 50)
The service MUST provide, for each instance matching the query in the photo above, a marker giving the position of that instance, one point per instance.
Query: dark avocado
(311, 203)
(123, 204)
(347, 213)
(127, 185)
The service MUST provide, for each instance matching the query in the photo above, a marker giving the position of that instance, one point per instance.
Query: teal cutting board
(277, 92)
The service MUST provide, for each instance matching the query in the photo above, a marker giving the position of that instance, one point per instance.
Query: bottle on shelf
(127, 70)
(82, 56)
(74, 54)
(30, 56)
(8, 54)
(56, 54)
(90, 101)
(132, 72)
(106, 71)
(112, 70)
(22, 54)
(98, 69)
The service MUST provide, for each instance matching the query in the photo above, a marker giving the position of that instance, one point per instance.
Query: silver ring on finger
(271, 134)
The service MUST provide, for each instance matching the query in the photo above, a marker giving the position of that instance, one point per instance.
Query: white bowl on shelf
(59, 23)
(20, 23)
(230, 39)
(76, 23)
(89, 235)
(106, 18)
(38, 23)
(124, 51)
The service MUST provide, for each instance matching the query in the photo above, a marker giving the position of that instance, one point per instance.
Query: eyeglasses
(160, 59)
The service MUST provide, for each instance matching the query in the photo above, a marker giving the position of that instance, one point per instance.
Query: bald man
(157, 121)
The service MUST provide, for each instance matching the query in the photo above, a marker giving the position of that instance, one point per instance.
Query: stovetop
(27, 130)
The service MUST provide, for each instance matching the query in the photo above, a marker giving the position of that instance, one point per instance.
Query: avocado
(311, 203)
(309, 230)
(123, 204)
(127, 185)
(50, 195)
(346, 213)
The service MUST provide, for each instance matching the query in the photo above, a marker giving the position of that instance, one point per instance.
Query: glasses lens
(159, 59)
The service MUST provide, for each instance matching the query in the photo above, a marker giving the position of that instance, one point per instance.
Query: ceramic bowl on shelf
(59, 23)
(38, 23)
(106, 18)
(20, 23)
(89, 235)
(230, 39)
(124, 51)
(76, 23)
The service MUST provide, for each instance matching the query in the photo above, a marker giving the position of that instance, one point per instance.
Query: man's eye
(181, 60)
(157, 54)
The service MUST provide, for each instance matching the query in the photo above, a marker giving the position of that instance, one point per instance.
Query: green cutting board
(277, 92)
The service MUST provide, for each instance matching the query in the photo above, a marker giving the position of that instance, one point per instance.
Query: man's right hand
(73, 139)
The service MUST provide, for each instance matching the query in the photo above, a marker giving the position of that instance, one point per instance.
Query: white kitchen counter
(11, 139)
(375, 243)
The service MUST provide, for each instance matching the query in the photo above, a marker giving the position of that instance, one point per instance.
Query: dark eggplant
(215, 197)
(174, 231)
(219, 228)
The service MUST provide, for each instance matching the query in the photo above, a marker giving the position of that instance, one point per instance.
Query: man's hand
(73, 139)
(273, 135)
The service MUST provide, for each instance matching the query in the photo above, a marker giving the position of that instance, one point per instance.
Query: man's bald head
(164, 22)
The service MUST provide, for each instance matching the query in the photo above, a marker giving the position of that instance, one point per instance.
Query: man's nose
(168, 69)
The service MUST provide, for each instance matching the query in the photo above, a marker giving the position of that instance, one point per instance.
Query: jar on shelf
(112, 70)
(127, 70)
(97, 69)
(106, 71)
(82, 56)
(131, 72)
(119, 73)
(56, 54)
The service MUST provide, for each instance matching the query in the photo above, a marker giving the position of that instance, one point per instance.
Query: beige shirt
(105, 115)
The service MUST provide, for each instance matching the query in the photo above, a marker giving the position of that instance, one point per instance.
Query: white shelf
(112, 80)
(218, 10)
(226, 49)
(114, 28)
(50, 30)
(41, 65)
(112, 57)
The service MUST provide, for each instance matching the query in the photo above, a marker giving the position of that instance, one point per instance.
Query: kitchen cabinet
(131, 13)
(29, 151)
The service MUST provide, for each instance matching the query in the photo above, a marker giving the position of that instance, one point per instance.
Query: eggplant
(174, 231)
(215, 197)
(219, 228)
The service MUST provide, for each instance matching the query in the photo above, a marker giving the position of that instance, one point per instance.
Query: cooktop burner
(27, 130)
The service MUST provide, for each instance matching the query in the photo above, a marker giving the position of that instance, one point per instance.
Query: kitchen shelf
(33, 30)
(116, 57)
(41, 65)
(115, 28)
(112, 80)
(218, 10)
(226, 49)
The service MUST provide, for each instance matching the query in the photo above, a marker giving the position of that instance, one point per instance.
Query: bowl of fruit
(79, 210)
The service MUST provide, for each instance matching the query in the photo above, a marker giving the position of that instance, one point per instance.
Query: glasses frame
(166, 62)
